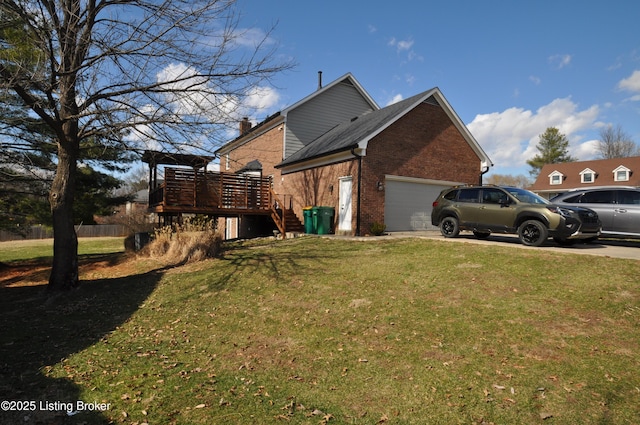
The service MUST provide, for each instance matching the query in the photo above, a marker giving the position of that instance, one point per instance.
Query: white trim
(587, 172)
(322, 161)
(555, 173)
(485, 161)
(347, 76)
(392, 177)
(626, 171)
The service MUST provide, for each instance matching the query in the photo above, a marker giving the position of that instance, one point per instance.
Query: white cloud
(560, 61)
(395, 99)
(401, 44)
(405, 45)
(535, 80)
(262, 98)
(632, 83)
(252, 37)
(510, 137)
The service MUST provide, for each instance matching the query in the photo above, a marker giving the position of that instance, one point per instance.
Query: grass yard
(324, 331)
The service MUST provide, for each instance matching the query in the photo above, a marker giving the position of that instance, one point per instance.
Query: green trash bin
(309, 227)
(314, 220)
(325, 220)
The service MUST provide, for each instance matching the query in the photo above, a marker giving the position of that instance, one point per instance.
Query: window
(451, 196)
(493, 196)
(469, 195)
(556, 177)
(598, 197)
(227, 162)
(587, 176)
(621, 174)
(629, 197)
(573, 199)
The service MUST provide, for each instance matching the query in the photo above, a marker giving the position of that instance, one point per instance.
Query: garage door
(407, 204)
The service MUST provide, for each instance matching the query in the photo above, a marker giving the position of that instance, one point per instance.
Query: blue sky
(510, 69)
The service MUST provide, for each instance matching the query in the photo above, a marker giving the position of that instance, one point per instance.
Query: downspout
(484, 171)
(359, 184)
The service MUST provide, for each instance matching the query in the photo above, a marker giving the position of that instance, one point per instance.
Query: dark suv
(493, 209)
(618, 208)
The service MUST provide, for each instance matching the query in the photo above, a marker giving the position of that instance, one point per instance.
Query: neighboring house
(559, 178)
(337, 148)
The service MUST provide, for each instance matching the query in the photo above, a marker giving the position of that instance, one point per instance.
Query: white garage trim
(390, 177)
(408, 202)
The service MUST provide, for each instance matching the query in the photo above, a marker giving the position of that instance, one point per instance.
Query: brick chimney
(245, 126)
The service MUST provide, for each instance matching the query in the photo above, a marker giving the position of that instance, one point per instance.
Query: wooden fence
(83, 231)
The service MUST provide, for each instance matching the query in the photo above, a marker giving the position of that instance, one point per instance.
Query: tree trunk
(64, 271)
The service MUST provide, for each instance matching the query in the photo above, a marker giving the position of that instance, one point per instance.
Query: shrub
(188, 242)
(378, 229)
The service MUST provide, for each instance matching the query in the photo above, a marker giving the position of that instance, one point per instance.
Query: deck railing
(198, 189)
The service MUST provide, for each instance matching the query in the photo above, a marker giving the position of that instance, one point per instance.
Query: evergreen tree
(553, 148)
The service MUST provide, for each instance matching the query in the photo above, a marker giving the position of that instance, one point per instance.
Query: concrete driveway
(607, 248)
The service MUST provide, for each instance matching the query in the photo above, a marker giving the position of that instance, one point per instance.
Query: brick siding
(423, 144)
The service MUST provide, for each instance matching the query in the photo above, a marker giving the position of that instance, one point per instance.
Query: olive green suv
(494, 209)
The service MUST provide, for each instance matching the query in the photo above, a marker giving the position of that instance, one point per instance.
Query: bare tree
(615, 143)
(520, 180)
(131, 74)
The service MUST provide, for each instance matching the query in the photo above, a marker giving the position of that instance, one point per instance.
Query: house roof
(357, 132)
(571, 172)
(254, 165)
(346, 77)
(280, 116)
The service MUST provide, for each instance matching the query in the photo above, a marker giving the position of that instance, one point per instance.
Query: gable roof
(356, 133)
(280, 116)
(604, 169)
(349, 78)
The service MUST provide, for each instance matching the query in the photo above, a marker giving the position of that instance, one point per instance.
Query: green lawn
(43, 249)
(313, 330)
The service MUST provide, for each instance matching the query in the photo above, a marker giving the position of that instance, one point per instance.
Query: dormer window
(621, 174)
(556, 178)
(587, 176)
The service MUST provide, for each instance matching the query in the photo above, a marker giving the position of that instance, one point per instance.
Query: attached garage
(408, 200)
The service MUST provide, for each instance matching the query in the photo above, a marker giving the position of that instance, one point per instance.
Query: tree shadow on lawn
(38, 332)
(279, 265)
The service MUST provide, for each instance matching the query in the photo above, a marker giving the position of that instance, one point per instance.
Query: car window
(598, 197)
(572, 199)
(629, 197)
(523, 195)
(451, 195)
(469, 195)
(493, 196)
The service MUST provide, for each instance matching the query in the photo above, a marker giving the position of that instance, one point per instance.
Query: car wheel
(449, 227)
(481, 235)
(532, 233)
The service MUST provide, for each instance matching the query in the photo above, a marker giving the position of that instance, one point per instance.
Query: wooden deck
(212, 193)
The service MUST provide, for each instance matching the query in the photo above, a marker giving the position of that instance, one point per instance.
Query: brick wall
(423, 144)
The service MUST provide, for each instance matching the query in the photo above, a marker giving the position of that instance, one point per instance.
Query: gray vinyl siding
(320, 114)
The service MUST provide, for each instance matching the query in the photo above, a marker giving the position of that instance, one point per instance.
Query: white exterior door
(344, 209)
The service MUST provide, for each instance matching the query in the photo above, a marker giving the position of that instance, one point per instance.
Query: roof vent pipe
(319, 80)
